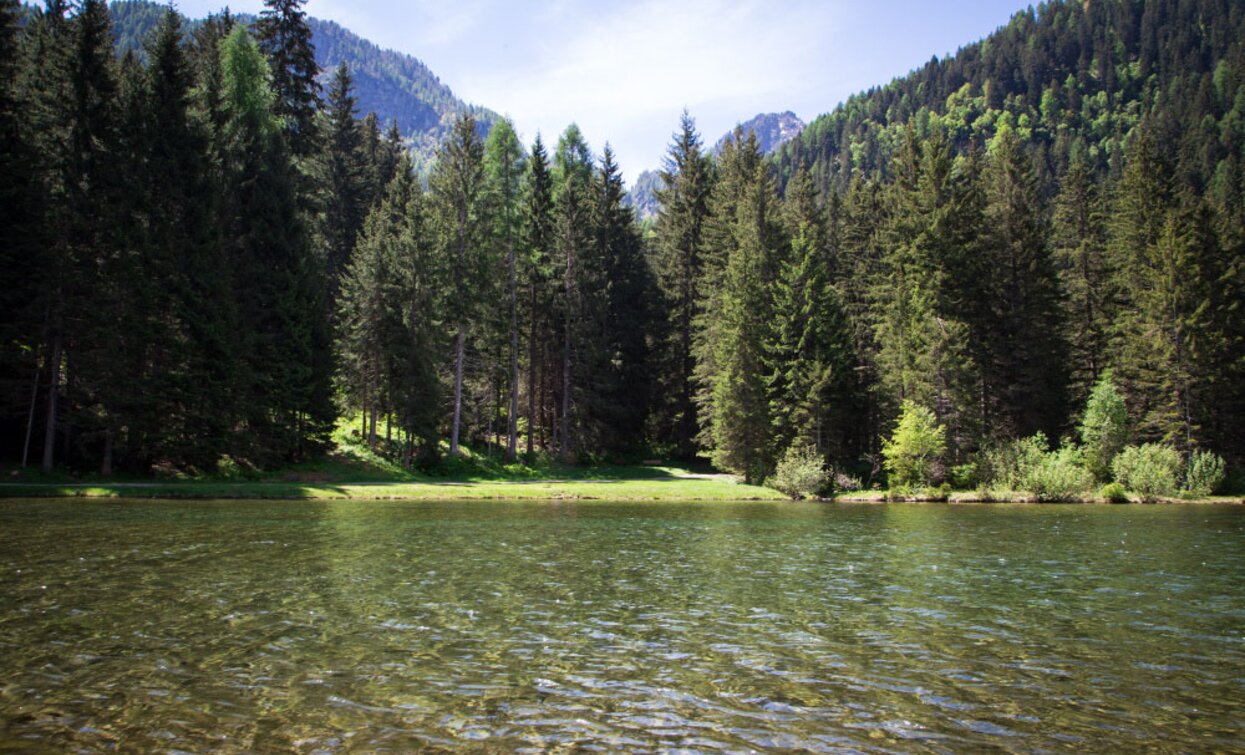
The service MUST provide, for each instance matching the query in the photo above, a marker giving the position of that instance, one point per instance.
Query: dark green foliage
(285, 37)
(744, 248)
(343, 177)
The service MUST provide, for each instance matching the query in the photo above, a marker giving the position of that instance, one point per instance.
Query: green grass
(354, 471)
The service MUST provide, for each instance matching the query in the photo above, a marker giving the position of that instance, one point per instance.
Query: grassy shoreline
(671, 488)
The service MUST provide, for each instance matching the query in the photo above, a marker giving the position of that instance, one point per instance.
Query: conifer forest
(209, 256)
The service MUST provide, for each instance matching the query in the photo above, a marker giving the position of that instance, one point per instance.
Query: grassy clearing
(618, 488)
(354, 471)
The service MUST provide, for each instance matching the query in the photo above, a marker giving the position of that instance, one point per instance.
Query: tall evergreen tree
(285, 38)
(287, 369)
(810, 359)
(504, 165)
(538, 233)
(343, 176)
(458, 185)
(677, 260)
(572, 176)
(623, 375)
(736, 321)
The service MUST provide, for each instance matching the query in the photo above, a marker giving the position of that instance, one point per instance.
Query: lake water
(391, 626)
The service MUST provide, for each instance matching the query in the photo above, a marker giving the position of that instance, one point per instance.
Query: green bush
(1204, 473)
(1149, 470)
(1007, 466)
(1058, 476)
(800, 473)
(1113, 492)
(913, 454)
(1104, 427)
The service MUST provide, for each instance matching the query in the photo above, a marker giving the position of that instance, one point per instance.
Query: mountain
(1069, 78)
(391, 84)
(772, 129)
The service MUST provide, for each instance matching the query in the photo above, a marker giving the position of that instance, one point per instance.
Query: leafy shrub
(913, 453)
(1058, 476)
(1113, 492)
(1104, 428)
(964, 476)
(800, 473)
(1149, 470)
(1007, 466)
(1204, 473)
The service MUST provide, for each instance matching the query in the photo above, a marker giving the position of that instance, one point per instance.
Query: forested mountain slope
(1069, 77)
(395, 86)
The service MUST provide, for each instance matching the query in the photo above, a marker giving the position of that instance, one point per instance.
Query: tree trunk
(54, 378)
(532, 389)
(459, 343)
(512, 429)
(30, 416)
(105, 467)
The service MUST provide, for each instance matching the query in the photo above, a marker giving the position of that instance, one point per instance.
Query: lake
(364, 626)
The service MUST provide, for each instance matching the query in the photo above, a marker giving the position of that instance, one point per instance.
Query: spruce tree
(677, 260)
(538, 231)
(458, 185)
(736, 319)
(343, 177)
(285, 38)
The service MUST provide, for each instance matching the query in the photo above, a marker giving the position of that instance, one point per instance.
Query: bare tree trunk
(512, 429)
(30, 416)
(459, 343)
(532, 389)
(54, 379)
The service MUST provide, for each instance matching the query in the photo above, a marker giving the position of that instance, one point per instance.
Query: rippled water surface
(359, 626)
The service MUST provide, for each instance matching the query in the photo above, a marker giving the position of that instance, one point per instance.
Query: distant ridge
(395, 86)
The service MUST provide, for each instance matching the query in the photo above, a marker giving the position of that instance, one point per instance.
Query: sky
(625, 70)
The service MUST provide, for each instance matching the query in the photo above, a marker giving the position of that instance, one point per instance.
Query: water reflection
(365, 626)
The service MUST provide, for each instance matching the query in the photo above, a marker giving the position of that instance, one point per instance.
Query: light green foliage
(1204, 473)
(1008, 465)
(1104, 428)
(248, 99)
(801, 473)
(913, 454)
(1113, 492)
(1149, 470)
(1058, 476)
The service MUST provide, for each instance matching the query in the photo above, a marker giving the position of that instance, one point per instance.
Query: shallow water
(362, 626)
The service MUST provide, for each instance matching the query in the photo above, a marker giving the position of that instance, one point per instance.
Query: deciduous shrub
(1104, 427)
(1148, 470)
(1113, 492)
(800, 473)
(1058, 476)
(913, 454)
(1006, 466)
(1204, 473)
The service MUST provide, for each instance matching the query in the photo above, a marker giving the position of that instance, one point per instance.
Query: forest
(1031, 249)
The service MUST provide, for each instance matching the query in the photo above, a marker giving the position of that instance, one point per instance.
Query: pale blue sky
(624, 71)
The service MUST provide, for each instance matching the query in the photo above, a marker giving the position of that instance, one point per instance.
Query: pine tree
(538, 233)
(572, 176)
(743, 242)
(677, 261)
(504, 166)
(1023, 357)
(285, 38)
(287, 368)
(1080, 242)
(343, 177)
(810, 357)
(458, 185)
(623, 376)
